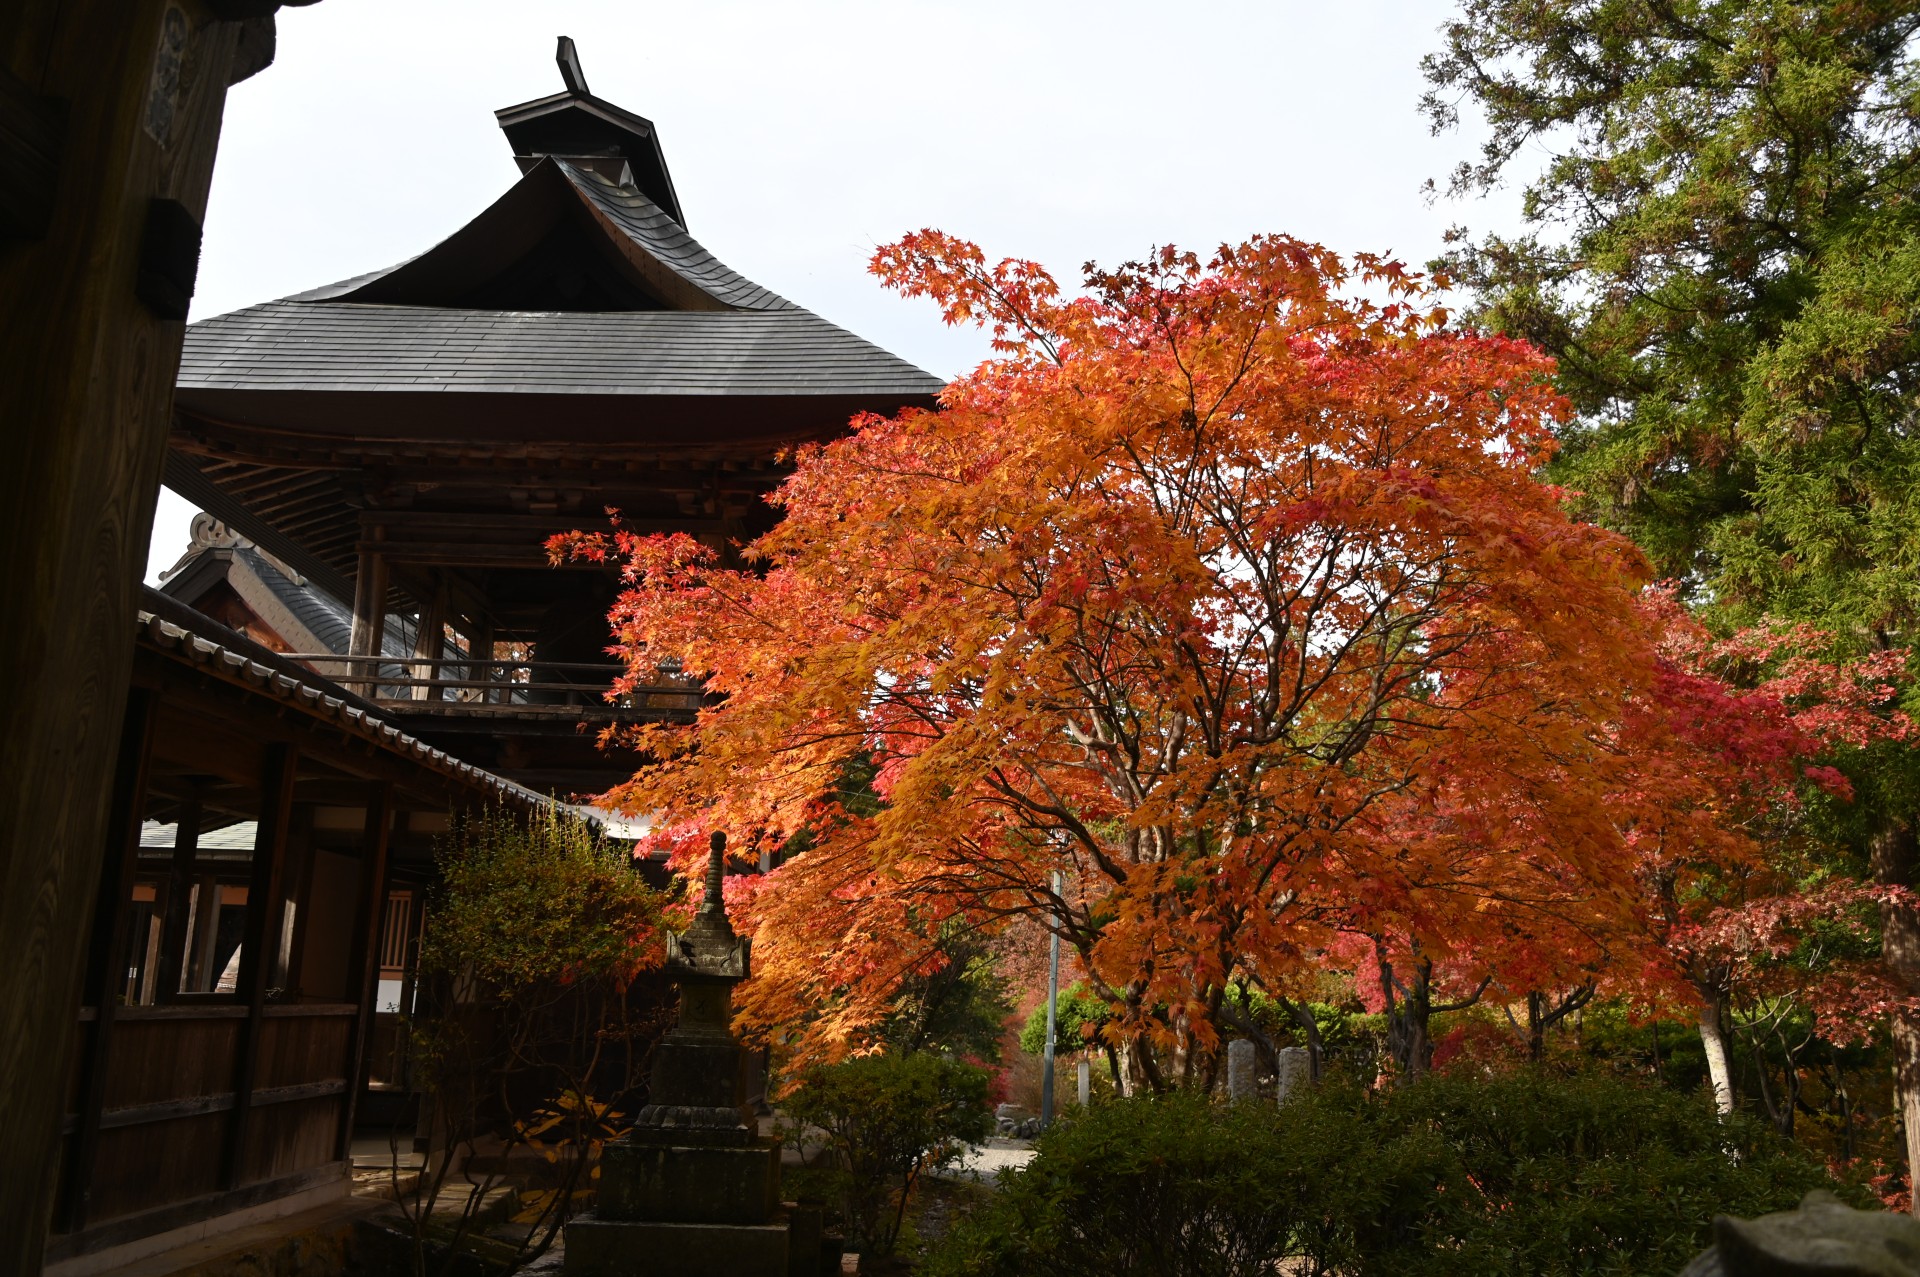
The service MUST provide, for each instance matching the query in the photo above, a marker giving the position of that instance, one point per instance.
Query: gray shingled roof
(651, 227)
(330, 620)
(288, 345)
(325, 617)
(760, 345)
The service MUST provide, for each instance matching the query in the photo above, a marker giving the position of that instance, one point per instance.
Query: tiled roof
(350, 346)
(317, 696)
(327, 618)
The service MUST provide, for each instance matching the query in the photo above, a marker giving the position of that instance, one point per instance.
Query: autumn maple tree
(1749, 911)
(1221, 590)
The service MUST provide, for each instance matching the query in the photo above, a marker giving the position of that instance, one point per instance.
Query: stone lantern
(693, 1189)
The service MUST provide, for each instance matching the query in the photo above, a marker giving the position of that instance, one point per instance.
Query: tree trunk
(1906, 1081)
(1719, 1067)
(1409, 1014)
(1779, 1112)
(1138, 1076)
(1893, 851)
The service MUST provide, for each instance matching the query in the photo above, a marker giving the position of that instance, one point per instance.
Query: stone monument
(1242, 1070)
(1295, 1073)
(693, 1190)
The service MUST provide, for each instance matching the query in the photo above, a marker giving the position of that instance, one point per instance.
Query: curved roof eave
(664, 257)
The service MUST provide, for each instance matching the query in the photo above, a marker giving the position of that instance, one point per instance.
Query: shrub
(1522, 1173)
(887, 1119)
(1187, 1188)
(1593, 1173)
(533, 1036)
(1078, 1014)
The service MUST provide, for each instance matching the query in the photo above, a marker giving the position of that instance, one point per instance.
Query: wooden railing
(460, 685)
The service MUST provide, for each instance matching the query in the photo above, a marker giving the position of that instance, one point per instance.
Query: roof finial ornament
(569, 60)
(709, 949)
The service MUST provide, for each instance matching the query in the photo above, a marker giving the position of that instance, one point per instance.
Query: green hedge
(1525, 1173)
(886, 1119)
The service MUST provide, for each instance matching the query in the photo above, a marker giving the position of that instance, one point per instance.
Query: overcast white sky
(801, 136)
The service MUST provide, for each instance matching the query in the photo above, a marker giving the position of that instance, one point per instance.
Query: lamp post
(1053, 1006)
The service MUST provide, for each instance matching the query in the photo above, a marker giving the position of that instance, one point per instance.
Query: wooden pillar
(410, 996)
(174, 963)
(261, 945)
(480, 654)
(109, 119)
(296, 891)
(369, 616)
(429, 640)
(104, 169)
(363, 972)
(104, 946)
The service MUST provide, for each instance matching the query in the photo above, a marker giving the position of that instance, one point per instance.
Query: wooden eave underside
(462, 504)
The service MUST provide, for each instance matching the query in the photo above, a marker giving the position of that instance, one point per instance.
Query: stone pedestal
(693, 1190)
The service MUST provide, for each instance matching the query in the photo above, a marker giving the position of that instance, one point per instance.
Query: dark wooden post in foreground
(105, 973)
(109, 116)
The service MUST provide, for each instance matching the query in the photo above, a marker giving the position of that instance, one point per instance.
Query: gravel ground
(984, 1161)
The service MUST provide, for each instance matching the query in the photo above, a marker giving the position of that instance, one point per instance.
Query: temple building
(406, 440)
(366, 636)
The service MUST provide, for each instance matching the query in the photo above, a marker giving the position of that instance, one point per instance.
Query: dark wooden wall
(170, 1108)
(186, 1104)
(105, 106)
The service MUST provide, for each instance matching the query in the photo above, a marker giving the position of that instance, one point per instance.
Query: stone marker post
(1242, 1078)
(1294, 1072)
(1086, 1083)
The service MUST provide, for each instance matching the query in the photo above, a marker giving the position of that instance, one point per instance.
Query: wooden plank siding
(172, 1110)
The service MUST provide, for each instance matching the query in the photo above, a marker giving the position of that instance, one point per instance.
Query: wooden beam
(104, 972)
(363, 973)
(409, 990)
(469, 554)
(199, 1105)
(32, 128)
(261, 945)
